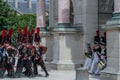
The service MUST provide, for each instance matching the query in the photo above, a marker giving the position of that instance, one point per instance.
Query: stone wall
(87, 14)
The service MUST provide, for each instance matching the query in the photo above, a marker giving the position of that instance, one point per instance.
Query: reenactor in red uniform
(3, 56)
(21, 41)
(29, 55)
(10, 52)
(39, 51)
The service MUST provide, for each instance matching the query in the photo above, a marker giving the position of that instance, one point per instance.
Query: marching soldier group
(96, 58)
(25, 58)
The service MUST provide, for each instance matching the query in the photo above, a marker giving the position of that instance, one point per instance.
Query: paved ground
(54, 75)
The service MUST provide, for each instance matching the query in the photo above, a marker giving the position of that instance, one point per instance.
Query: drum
(102, 64)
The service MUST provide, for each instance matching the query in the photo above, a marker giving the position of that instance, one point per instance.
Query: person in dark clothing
(39, 50)
(38, 59)
(96, 52)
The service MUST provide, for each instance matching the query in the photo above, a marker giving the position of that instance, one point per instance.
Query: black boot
(35, 69)
(46, 73)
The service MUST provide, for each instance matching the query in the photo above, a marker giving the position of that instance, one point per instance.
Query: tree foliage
(9, 18)
(6, 14)
(24, 20)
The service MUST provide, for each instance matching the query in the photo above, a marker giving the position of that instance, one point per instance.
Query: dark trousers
(41, 63)
(28, 66)
(19, 67)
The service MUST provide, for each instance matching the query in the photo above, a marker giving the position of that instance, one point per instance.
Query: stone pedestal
(82, 74)
(112, 72)
(67, 48)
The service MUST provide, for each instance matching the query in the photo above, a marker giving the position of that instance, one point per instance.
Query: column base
(67, 48)
(110, 74)
(65, 66)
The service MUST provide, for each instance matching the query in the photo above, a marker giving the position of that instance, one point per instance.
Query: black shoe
(91, 73)
(97, 73)
(46, 75)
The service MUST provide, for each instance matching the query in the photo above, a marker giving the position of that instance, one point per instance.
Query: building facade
(74, 23)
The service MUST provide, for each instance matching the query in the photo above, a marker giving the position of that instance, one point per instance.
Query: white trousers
(94, 63)
(88, 62)
(98, 71)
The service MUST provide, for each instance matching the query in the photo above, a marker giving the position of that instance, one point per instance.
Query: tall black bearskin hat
(26, 31)
(25, 35)
(103, 41)
(20, 35)
(2, 37)
(10, 33)
(19, 31)
(32, 32)
(97, 38)
(97, 32)
(104, 34)
(3, 34)
(38, 31)
(31, 36)
(9, 36)
(37, 35)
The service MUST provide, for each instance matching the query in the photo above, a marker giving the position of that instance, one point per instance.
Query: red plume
(25, 31)
(10, 32)
(19, 31)
(104, 33)
(38, 31)
(32, 32)
(97, 32)
(3, 33)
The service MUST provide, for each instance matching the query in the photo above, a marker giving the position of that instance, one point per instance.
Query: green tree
(7, 15)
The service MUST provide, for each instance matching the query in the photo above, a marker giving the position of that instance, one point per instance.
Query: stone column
(30, 4)
(46, 38)
(52, 13)
(16, 3)
(116, 5)
(40, 12)
(63, 13)
(112, 72)
(67, 43)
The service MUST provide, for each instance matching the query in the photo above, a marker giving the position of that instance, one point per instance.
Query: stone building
(73, 23)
